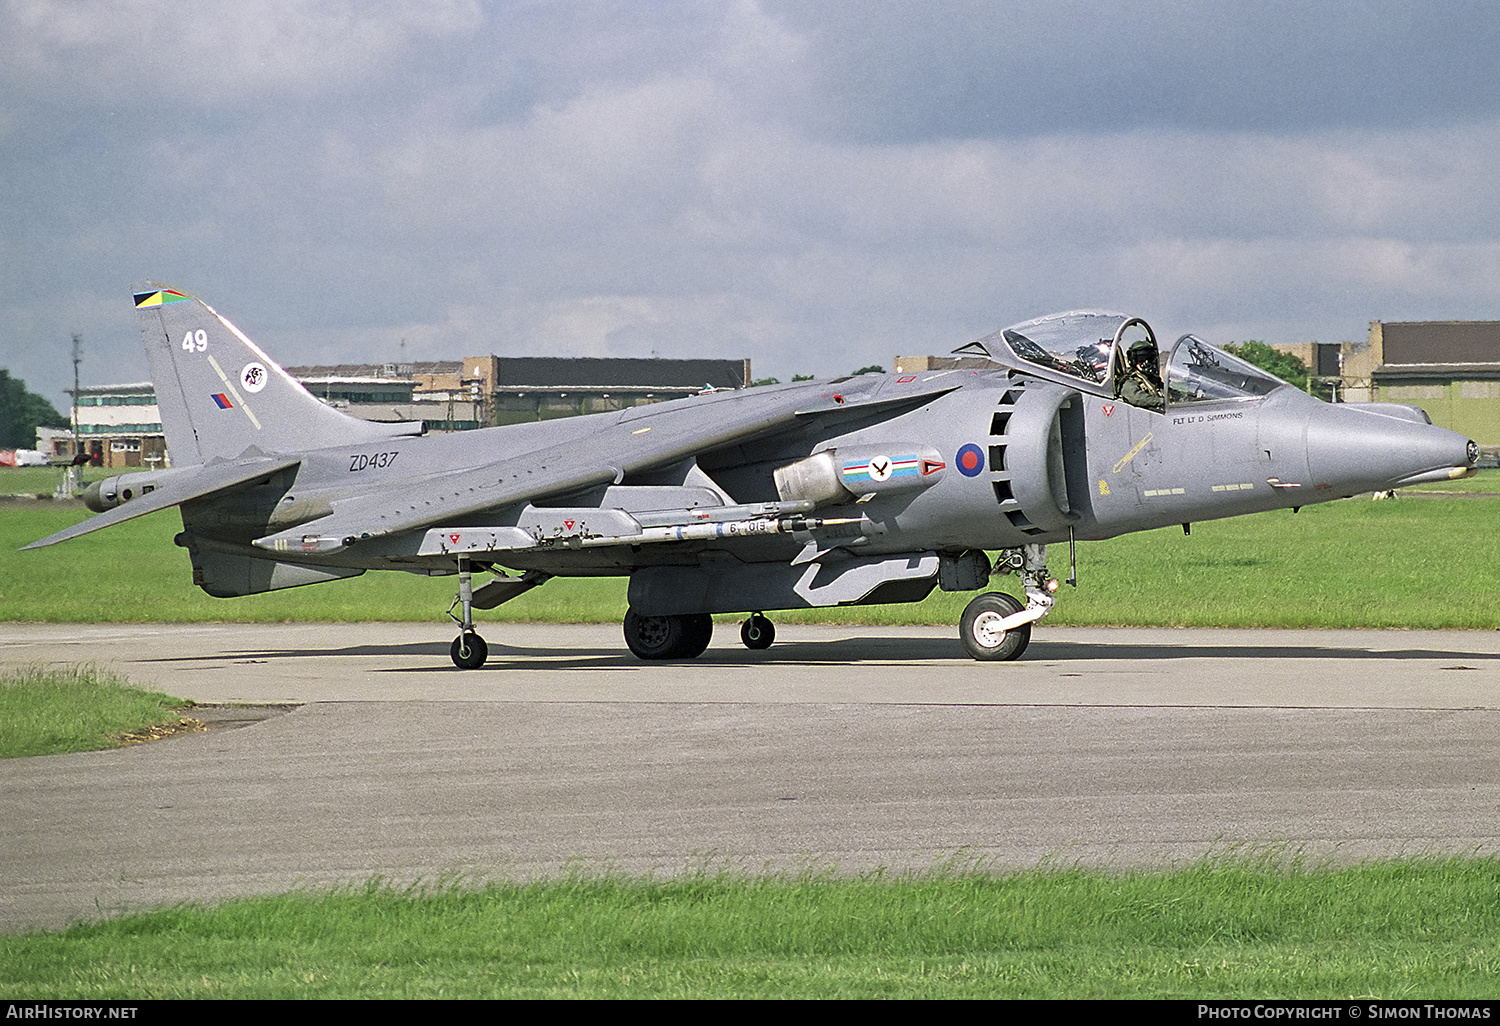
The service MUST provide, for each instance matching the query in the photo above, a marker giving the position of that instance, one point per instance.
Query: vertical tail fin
(220, 395)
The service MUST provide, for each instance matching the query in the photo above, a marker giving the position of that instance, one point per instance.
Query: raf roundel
(970, 460)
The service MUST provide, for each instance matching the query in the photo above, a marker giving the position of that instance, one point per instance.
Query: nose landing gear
(995, 626)
(981, 631)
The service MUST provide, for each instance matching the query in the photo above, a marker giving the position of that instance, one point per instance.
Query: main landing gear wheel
(469, 651)
(981, 636)
(757, 632)
(668, 637)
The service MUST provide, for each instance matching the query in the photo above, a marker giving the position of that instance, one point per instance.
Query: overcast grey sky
(816, 186)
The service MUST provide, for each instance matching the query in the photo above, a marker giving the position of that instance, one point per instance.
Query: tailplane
(220, 395)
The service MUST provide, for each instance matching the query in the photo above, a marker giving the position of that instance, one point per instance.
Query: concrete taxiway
(863, 747)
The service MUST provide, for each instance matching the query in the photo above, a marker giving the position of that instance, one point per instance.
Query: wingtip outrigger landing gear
(468, 650)
(757, 632)
(995, 626)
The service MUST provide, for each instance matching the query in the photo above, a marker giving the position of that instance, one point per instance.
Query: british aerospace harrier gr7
(851, 491)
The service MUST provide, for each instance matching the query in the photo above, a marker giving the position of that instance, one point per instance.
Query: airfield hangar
(1451, 369)
(120, 425)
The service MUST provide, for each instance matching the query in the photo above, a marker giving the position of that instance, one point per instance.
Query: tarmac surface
(341, 752)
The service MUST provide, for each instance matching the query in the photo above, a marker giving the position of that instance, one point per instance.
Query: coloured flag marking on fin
(222, 401)
(160, 297)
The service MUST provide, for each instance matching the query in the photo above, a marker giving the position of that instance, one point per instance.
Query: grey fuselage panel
(1023, 462)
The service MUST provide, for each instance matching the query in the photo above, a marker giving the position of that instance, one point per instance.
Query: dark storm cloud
(900, 72)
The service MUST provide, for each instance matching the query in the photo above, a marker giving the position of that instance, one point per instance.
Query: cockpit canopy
(1077, 345)
(1095, 351)
(1198, 372)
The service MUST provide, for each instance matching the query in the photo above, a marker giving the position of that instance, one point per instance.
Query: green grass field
(1484, 481)
(1353, 563)
(1223, 928)
(45, 711)
(44, 480)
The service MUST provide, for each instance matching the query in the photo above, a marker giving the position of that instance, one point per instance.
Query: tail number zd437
(379, 460)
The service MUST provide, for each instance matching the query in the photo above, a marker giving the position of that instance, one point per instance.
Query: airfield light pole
(77, 359)
(71, 479)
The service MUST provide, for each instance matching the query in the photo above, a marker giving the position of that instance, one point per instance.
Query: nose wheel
(757, 632)
(996, 626)
(982, 632)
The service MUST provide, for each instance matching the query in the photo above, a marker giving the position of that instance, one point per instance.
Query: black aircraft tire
(668, 637)
(757, 632)
(699, 632)
(469, 651)
(980, 639)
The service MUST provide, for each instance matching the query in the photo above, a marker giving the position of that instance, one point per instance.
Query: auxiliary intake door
(1042, 475)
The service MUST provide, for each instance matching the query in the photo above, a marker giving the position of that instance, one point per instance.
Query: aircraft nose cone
(1357, 448)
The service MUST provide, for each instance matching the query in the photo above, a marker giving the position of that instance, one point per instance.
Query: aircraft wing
(642, 438)
(199, 483)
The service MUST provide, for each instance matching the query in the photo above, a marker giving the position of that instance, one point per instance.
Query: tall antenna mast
(77, 359)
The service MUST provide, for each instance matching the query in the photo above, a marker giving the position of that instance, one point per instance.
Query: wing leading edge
(196, 483)
(632, 444)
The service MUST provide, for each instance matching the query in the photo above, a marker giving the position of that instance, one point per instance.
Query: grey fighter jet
(851, 491)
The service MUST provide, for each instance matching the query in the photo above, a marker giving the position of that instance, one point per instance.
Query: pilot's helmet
(1142, 353)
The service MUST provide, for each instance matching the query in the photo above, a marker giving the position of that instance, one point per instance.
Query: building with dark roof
(915, 364)
(1451, 369)
(541, 387)
(121, 427)
(480, 390)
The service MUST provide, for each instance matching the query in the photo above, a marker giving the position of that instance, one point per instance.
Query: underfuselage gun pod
(869, 470)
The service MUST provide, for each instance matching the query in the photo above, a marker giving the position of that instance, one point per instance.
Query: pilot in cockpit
(1141, 385)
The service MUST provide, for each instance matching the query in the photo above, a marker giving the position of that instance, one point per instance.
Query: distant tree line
(1291, 369)
(22, 412)
(873, 368)
(1285, 366)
